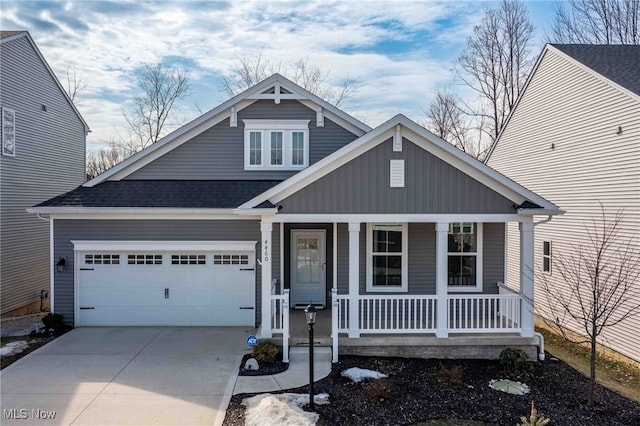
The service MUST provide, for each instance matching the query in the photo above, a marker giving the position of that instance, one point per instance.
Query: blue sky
(399, 51)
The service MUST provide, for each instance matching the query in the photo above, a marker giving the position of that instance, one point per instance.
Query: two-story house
(275, 200)
(43, 154)
(574, 137)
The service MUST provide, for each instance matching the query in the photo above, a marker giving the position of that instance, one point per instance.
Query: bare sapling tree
(596, 22)
(447, 120)
(105, 158)
(598, 286)
(160, 89)
(250, 70)
(75, 84)
(496, 62)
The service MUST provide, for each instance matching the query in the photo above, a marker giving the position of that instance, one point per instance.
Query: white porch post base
(526, 278)
(354, 279)
(442, 326)
(265, 252)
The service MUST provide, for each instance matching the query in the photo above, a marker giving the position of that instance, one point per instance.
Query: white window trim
(266, 127)
(5, 137)
(478, 288)
(547, 256)
(404, 276)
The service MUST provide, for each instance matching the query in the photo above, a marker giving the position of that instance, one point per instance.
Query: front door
(308, 268)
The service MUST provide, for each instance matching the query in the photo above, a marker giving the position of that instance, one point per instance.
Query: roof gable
(275, 87)
(621, 73)
(398, 127)
(9, 36)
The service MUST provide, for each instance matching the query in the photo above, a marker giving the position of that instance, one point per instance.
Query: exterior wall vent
(397, 173)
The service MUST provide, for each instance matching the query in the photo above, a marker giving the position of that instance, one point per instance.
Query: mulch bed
(264, 368)
(35, 340)
(416, 395)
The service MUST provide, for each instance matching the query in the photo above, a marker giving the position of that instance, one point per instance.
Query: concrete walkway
(295, 376)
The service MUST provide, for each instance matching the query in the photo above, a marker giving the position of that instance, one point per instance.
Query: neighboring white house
(43, 154)
(574, 138)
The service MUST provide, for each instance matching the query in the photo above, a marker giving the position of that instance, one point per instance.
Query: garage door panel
(127, 293)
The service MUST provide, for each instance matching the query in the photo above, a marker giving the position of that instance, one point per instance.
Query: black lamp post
(310, 313)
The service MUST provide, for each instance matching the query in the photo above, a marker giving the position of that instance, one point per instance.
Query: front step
(302, 353)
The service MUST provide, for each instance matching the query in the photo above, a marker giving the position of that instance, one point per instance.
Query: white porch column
(265, 252)
(354, 278)
(526, 277)
(442, 322)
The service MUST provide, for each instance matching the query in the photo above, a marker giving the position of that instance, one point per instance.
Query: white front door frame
(320, 299)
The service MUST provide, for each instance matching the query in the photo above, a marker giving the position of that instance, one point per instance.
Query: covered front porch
(446, 320)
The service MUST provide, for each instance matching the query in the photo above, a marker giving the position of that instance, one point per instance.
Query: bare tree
(160, 89)
(74, 83)
(599, 285)
(597, 22)
(496, 62)
(447, 120)
(250, 70)
(105, 158)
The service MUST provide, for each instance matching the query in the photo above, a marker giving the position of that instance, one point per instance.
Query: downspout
(43, 218)
(536, 334)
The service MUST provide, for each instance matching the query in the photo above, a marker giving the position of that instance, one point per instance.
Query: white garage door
(179, 286)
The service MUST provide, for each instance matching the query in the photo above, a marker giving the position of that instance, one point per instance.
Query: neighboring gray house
(574, 137)
(43, 154)
(276, 199)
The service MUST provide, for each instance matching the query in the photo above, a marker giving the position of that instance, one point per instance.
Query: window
(188, 259)
(8, 132)
(276, 148)
(276, 144)
(230, 259)
(387, 257)
(102, 259)
(255, 148)
(464, 260)
(144, 259)
(546, 256)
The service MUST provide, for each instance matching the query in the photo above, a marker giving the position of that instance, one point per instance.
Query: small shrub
(449, 376)
(515, 363)
(379, 390)
(265, 352)
(54, 322)
(534, 420)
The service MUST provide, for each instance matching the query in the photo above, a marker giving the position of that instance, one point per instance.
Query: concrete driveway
(126, 375)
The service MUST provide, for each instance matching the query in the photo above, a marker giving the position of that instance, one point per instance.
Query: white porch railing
(484, 313)
(280, 319)
(397, 314)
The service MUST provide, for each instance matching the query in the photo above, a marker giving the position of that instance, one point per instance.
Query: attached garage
(169, 283)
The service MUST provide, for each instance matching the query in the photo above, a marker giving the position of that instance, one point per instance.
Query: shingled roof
(218, 194)
(618, 63)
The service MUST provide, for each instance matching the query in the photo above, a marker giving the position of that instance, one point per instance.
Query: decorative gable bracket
(319, 117)
(397, 139)
(277, 93)
(233, 118)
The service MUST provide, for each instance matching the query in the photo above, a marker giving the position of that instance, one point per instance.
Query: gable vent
(397, 173)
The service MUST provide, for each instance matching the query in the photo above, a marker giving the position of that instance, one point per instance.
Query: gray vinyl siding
(147, 230)
(362, 186)
(422, 258)
(218, 153)
(571, 108)
(49, 160)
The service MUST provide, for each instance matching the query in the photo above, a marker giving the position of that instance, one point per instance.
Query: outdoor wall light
(61, 264)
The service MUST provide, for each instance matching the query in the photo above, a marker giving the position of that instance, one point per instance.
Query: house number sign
(265, 255)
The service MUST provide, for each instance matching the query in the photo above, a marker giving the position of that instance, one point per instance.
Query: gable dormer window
(276, 144)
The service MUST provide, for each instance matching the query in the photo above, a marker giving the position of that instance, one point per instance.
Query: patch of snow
(359, 374)
(281, 409)
(13, 348)
(251, 364)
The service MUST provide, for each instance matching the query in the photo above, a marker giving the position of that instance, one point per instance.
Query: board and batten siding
(362, 186)
(422, 258)
(562, 142)
(67, 230)
(49, 160)
(218, 153)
